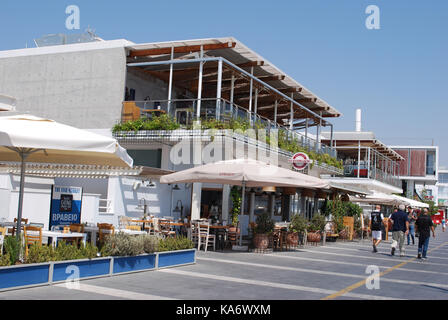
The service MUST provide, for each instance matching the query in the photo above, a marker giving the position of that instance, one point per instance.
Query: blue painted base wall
(39, 274)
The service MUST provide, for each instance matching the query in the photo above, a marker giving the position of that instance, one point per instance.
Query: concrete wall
(82, 88)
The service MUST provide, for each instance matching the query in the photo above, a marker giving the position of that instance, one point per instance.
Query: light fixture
(176, 187)
(269, 189)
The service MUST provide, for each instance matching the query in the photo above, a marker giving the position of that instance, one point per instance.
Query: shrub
(39, 253)
(298, 223)
(5, 260)
(172, 244)
(264, 224)
(89, 251)
(121, 244)
(13, 247)
(317, 223)
(66, 251)
(150, 243)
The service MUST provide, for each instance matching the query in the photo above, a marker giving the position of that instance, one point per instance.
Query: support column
(272, 205)
(275, 112)
(359, 157)
(196, 201)
(201, 65)
(250, 94)
(225, 203)
(291, 120)
(251, 207)
(256, 104)
(368, 164)
(232, 90)
(218, 91)
(170, 84)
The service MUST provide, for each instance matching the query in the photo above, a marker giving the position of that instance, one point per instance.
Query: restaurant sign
(300, 161)
(65, 206)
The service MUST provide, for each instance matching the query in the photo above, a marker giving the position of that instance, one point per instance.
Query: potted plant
(235, 194)
(296, 230)
(263, 228)
(316, 227)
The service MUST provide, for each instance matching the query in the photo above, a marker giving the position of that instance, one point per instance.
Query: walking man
(400, 228)
(375, 225)
(412, 218)
(425, 225)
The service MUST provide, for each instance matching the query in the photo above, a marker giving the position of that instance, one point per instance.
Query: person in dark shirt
(400, 228)
(375, 225)
(425, 226)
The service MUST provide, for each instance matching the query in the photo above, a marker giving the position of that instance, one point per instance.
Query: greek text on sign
(300, 160)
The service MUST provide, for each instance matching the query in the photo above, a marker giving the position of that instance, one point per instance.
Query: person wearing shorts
(375, 225)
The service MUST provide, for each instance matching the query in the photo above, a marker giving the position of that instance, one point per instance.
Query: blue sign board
(65, 206)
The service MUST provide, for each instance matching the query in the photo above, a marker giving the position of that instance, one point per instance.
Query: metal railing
(351, 171)
(185, 112)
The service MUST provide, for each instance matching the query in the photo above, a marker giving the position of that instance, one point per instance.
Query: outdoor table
(55, 235)
(132, 232)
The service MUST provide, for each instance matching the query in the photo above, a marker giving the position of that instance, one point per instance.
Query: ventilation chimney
(358, 120)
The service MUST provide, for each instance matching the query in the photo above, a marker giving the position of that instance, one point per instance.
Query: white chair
(193, 233)
(3, 232)
(205, 238)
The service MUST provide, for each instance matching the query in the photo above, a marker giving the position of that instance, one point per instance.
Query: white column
(218, 91)
(196, 201)
(198, 112)
(250, 94)
(292, 113)
(170, 84)
(256, 103)
(275, 112)
(225, 202)
(251, 207)
(232, 90)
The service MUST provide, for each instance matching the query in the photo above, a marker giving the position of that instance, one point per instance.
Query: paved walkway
(336, 271)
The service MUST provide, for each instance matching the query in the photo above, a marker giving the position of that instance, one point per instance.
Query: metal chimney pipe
(358, 120)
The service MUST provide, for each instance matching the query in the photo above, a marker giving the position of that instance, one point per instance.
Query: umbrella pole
(23, 156)
(243, 191)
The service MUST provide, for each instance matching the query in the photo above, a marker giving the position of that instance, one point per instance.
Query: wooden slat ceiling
(186, 75)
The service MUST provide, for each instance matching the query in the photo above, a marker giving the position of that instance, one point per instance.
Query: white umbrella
(412, 202)
(378, 198)
(26, 138)
(245, 172)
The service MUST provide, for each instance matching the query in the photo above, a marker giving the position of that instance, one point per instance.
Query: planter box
(39, 274)
(132, 264)
(24, 275)
(88, 268)
(176, 258)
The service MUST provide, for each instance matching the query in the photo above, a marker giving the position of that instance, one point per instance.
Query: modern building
(442, 189)
(99, 84)
(419, 170)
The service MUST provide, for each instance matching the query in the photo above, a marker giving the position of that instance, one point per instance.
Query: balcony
(364, 171)
(221, 114)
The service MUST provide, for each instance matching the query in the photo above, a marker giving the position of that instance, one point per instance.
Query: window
(430, 163)
(148, 158)
(443, 178)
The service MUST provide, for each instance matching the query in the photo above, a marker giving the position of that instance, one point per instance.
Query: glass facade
(443, 178)
(430, 163)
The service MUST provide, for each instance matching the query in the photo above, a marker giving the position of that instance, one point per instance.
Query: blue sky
(397, 75)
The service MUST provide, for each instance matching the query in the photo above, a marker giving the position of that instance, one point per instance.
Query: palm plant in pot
(235, 194)
(296, 230)
(316, 227)
(263, 228)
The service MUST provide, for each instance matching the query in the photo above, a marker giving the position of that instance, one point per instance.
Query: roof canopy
(241, 56)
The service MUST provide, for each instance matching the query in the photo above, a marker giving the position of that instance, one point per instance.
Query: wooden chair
(233, 236)
(104, 230)
(165, 228)
(13, 230)
(74, 227)
(205, 238)
(123, 221)
(130, 111)
(134, 227)
(31, 237)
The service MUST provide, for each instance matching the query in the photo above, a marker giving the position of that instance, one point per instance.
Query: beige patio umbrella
(378, 198)
(245, 173)
(26, 138)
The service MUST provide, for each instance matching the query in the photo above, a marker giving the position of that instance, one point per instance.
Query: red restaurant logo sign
(300, 161)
